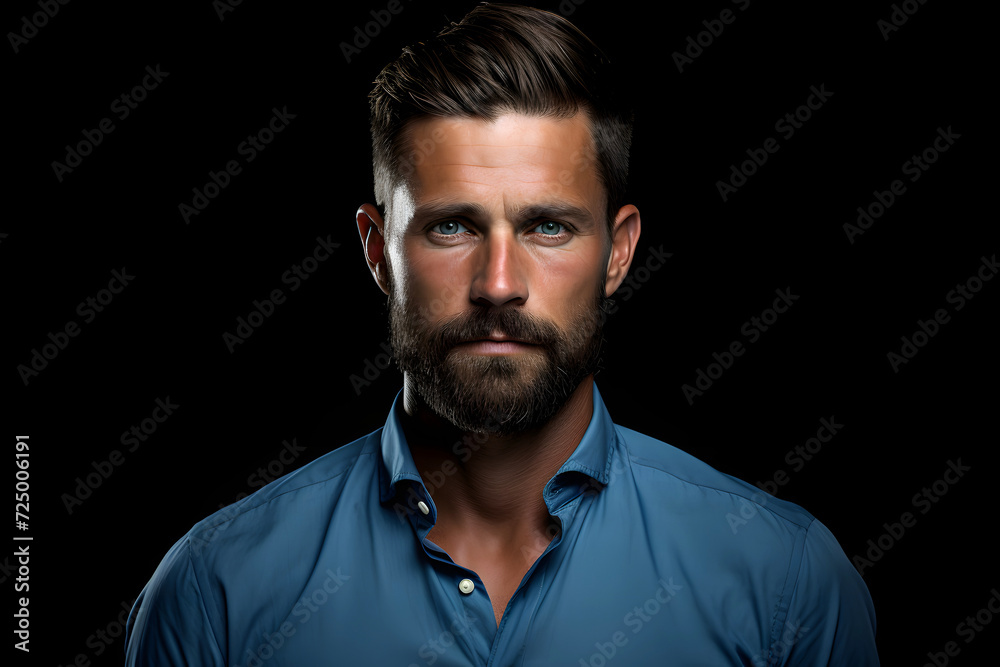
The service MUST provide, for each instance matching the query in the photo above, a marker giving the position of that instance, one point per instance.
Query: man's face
(497, 252)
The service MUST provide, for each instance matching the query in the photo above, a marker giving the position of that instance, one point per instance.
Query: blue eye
(449, 228)
(550, 228)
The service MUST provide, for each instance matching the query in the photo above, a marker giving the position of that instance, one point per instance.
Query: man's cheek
(438, 302)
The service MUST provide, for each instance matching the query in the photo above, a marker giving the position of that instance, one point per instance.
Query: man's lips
(496, 345)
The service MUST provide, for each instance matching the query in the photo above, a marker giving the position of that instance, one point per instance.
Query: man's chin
(494, 395)
(493, 416)
(469, 368)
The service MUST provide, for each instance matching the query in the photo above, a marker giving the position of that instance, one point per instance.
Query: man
(500, 517)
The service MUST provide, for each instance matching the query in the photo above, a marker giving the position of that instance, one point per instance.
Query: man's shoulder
(670, 470)
(214, 577)
(725, 532)
(318, 484)
(728, 522)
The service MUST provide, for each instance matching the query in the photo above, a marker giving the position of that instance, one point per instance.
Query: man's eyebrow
(473, 210)
(555, 211)
(439, 210)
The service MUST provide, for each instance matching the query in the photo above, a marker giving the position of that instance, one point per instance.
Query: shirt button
(422, 506)
(466, 586)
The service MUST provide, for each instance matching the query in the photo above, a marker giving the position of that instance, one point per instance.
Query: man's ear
(624, 237)
(372, 230)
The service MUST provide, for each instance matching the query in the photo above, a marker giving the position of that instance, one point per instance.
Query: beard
(496, 394)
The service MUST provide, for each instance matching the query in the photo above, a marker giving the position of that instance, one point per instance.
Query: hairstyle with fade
(500, 58)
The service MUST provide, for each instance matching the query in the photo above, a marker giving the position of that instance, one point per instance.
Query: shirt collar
(592, 457)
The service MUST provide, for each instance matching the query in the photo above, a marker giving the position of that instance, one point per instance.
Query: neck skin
(493, 498)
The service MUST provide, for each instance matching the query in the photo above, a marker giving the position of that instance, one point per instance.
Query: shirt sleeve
(831, 618)
(169, 625)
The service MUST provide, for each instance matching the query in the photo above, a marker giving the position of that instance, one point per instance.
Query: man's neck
(487, 484)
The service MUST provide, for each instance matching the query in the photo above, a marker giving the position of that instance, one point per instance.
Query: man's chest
(500, 566)
(396, 611)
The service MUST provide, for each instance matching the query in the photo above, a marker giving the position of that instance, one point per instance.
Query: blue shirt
(660, 560)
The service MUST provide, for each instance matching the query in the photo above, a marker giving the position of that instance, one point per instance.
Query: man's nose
(499, 273)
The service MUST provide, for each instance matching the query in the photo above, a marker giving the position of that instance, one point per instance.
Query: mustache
(488, 322)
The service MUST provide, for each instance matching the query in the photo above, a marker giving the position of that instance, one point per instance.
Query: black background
(825, 358)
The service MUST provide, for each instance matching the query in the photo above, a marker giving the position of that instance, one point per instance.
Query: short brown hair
(500, 58)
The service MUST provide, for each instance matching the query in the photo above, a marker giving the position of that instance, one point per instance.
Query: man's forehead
(509, 129)
(536, 161)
